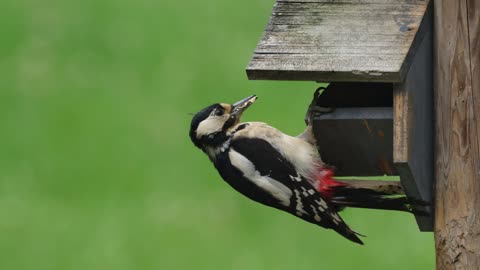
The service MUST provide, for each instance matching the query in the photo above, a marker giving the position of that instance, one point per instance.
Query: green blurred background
(96, 167)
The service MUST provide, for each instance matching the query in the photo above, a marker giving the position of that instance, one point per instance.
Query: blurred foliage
(96, 167)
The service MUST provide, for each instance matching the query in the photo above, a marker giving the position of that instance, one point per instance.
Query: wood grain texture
(387, 187)
(407, 2)
(348, 40)
(402, 113)
(457, 164)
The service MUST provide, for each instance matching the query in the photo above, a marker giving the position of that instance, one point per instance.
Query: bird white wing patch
(277, 189)
(299, 206)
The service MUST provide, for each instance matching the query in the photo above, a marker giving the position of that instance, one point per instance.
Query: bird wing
(270, 171)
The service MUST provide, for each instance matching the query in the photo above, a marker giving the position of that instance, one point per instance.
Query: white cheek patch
(210, 125)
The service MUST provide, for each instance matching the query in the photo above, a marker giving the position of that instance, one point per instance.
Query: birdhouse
(376, 56)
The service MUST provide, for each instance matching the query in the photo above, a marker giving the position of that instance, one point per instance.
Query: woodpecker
(266, 165)
(278, 170)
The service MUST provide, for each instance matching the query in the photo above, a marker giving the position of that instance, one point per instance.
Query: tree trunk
(457, 143)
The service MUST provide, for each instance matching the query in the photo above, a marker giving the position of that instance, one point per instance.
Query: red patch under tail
(326, 183)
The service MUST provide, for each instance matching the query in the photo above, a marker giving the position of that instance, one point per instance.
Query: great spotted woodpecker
(279, 170)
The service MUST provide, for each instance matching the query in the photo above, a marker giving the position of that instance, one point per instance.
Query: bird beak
(240, 106)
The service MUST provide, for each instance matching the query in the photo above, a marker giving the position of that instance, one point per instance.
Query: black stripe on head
(197, 119)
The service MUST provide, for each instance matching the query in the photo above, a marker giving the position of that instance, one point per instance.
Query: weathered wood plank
(336, 67)
(280, 34)
(457, 94)
(402, 113)
(474, 34)
(338, 40)
(370, 51)
(388, 187)
(339, 2)
(349, 9)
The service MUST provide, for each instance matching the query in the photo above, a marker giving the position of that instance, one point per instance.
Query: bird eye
(219, 111)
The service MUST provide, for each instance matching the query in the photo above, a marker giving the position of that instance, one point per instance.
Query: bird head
(211, 126)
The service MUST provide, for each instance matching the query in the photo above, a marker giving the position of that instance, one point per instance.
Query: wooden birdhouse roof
(339, 40)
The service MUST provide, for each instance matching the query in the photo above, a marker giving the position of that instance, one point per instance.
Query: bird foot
(419, 207)
(314, 110)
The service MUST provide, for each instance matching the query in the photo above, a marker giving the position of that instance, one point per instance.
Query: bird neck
(216, 144)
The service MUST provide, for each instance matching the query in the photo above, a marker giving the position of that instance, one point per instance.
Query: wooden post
(457, 143)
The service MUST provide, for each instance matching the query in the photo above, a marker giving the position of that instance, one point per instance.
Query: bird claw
(419, 207)
(314, 110)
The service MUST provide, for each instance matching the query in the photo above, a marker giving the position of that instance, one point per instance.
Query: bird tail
(349, 234)
(350, 196)
(385, 195)
(343, 195)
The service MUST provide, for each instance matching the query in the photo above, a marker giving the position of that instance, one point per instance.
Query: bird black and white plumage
(268, 166)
